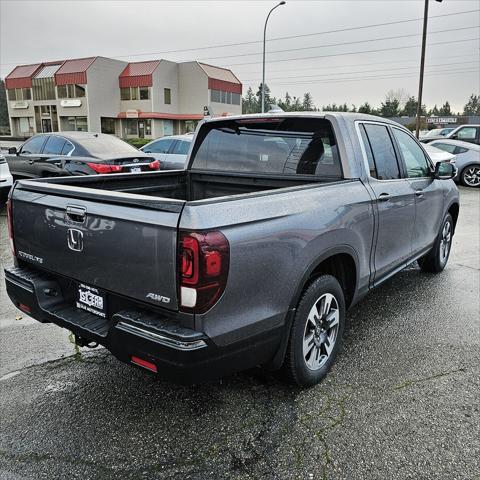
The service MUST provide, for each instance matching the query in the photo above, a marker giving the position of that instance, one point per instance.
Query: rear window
(106, 144)
(292, 146)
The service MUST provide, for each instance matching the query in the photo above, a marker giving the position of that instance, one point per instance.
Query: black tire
(470, 180)
(295, 367)
(436, 260)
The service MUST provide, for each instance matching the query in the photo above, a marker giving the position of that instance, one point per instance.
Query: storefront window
(108, 125)
(131, 127)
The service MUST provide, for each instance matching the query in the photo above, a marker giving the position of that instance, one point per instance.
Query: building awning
(221, 79)
(138, 74)
(160, 115)
(73, 71)
(21, 76)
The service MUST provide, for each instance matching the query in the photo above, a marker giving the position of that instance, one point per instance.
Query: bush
(138, 142)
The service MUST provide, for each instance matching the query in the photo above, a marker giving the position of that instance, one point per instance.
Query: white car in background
(6, 179)
(437, 155)
(467, 159)
(170, 151)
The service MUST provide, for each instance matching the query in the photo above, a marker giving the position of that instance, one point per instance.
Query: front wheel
(470, 176)
(436, 259)
(317, 332)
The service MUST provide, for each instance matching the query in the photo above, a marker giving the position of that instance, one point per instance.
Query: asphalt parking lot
(401, 402)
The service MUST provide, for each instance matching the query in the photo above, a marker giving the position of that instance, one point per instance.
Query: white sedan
(437, 155)
(6, 179)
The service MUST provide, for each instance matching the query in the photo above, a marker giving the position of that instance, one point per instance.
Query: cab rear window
(286, 146)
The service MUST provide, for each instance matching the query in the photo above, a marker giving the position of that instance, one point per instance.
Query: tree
(365, 108)
(472, 107)
(410, 107)
(434, 111)
(390, 108)
(249, 104)
(268, 100)
(445, 110)
(399, 95)
(3, 105)
(286, 105)
(307, 103)
(296, 105)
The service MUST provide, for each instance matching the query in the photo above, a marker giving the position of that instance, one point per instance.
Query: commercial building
(140, 99)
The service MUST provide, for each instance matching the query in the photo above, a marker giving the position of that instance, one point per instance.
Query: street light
(264, 40)
(422, 67)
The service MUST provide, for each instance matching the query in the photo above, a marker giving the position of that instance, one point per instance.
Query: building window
(134, 93)
(131, 127)
(74, 124)
(144, 93)
(19, 94)
(43, 88)
(107, 125)
(220, 96)
(70, 91)
(167, 96)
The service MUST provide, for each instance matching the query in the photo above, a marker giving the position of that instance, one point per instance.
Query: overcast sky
(33, 31)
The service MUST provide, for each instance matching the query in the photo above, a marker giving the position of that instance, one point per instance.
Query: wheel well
(453, 211)
(342, 267)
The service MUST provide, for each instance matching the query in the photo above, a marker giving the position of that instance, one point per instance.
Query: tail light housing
(155, 165)
(105, 168)
(10, 225)
(203, 264)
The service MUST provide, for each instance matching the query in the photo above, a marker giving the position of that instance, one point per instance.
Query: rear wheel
(470, 176)
(436, 260)
(316, 333)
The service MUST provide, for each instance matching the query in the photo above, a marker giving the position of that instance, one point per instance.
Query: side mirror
(12, 151)
(444, 171)
(454, 137)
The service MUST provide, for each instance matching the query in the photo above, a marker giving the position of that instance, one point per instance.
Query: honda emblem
(75, 240)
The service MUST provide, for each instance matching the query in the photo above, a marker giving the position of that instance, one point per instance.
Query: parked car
(466, 133)
(467, 160)
(6, 179)
(76, 153)
(437, 155)
(435, 134)
(170, 151)
(251, 256)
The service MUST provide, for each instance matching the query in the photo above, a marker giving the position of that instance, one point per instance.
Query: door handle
(384, 197)
(419, 193)
(76, 214)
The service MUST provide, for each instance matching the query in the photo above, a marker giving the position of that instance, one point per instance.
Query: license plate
(92, 300)
(135, 169)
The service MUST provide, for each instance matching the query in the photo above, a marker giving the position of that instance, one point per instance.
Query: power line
(279, 38)
(360, 71)
(353, 53)
(339, 44)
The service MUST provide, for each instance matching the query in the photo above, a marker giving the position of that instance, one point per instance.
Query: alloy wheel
(471, 176)
(445, 241)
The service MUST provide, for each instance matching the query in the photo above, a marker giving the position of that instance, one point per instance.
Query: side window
(466, 133)
(460, 150)
(67, 148)
(383, 151)
(368, 150)
(34, 145)
(181, 148)
(54, 145)
(415, 160)
(162, 146)
(446, 147)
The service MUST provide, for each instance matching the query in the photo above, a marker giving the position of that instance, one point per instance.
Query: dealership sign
(442, 120)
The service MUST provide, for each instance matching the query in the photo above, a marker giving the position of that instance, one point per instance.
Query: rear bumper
(179, 354)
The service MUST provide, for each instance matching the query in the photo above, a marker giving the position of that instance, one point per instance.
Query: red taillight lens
(104, 168)
(155, 165)
(144, 363)
(10, 225)
(203, 268)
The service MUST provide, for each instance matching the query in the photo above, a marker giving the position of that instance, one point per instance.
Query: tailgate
(127, 249)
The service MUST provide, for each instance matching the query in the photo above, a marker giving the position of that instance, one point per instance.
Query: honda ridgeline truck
(249, 257)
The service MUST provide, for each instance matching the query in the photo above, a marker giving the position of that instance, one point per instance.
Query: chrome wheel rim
(471, 176)
(321, 331)
(445, 241)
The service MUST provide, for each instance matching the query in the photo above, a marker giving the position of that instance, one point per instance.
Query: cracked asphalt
(401, 402)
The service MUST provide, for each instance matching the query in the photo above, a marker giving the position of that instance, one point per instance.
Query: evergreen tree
(472, 107)
(296, 105)
(249, 103)
(268, 100)
(410, 107)
(390, 108)
(445, 110)
(307, 103)
(365, 108)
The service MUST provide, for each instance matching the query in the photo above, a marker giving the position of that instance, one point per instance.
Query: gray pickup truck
(249, 257)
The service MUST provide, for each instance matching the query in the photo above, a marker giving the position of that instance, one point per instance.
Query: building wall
(165, 76)
(193, 83)
(103, 90)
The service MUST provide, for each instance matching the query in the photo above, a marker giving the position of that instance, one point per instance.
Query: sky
(368, 64)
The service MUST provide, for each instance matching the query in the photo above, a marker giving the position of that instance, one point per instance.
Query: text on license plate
(92, 300)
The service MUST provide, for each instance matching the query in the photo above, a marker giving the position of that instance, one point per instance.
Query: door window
(413, 156)
(161, 146)
(446, 147)
(34, 145)
(54, 145)
(68, 148)
(466, 133)
(181, 148)
(382, 151)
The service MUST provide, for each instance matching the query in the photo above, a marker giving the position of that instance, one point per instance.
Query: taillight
(10, 225)
(203, 268)
(104, 168)
(155, 165)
